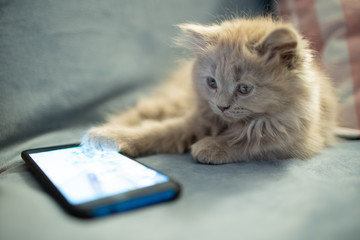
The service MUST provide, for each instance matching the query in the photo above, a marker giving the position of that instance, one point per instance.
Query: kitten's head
(245, 68)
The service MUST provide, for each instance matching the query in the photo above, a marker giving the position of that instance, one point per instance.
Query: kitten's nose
(223, 108)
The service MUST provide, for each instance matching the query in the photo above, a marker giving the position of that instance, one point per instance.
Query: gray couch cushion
(291, 199)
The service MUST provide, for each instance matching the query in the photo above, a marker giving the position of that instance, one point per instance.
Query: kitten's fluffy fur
(253, 91)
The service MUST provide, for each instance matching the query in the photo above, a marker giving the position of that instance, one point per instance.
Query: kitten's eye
(244, 89)
(211, 82)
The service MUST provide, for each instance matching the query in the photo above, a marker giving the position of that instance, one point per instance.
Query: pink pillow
(333, 28)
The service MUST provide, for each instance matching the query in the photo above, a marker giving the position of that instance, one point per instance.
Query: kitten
(253, 91)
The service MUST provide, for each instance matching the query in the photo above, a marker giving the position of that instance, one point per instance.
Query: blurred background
(68, 63)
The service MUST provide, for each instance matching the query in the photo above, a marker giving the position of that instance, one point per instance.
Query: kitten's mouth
(235, 116)
(232, 118)
(229, 117)
(232, 114)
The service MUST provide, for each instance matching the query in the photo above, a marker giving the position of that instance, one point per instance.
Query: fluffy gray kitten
(252, 91)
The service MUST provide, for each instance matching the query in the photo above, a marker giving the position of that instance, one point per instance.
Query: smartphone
(98, 183)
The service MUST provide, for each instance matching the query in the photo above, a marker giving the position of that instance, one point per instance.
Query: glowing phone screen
(86, 176)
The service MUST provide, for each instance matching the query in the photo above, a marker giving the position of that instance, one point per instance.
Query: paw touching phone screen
(112, 139)
(98, 139)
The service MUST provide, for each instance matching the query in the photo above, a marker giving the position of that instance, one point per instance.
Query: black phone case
(118, 203)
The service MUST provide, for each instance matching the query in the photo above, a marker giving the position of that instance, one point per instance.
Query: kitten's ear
(197, 37)
(280, 45)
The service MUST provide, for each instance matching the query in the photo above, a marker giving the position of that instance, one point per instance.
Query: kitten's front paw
(107, 139)
(209, 151)
(98, 139)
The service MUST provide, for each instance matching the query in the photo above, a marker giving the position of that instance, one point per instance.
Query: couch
(65, 65)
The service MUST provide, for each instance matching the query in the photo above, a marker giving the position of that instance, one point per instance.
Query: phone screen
(83, 176)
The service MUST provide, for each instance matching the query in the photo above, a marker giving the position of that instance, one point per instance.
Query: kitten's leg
(241, 142)
(219, 150)
(168, 136)
(258, 139)
(153, 108)
(175, 98)
(214, 150)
